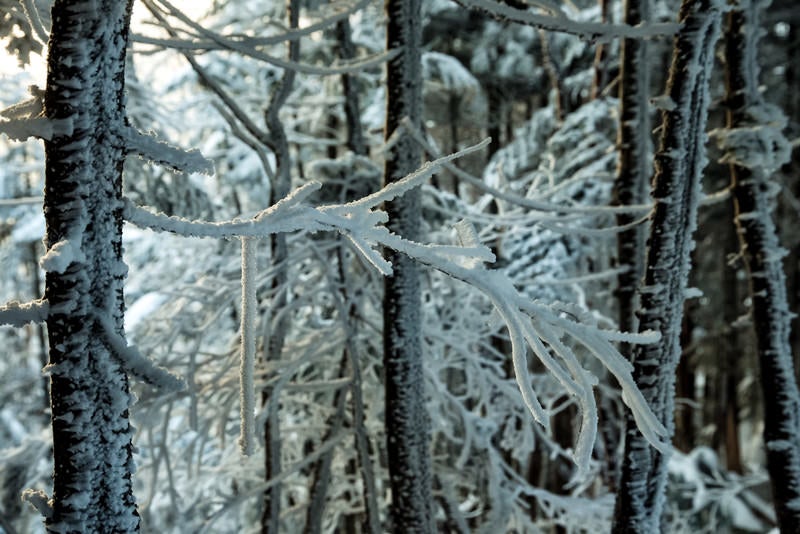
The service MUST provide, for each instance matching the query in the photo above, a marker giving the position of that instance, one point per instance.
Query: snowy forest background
(267, 408)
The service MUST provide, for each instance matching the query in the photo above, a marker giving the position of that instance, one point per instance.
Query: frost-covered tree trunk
(633, 170)
(679, 163)
(92, 489)
(407, 427)
(630, 186)
(755, 148)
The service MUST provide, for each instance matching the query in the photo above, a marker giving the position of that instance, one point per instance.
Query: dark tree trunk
(676, 187)
(355, 134)
(630, 187)
(753, 196)
(730, 353)
(92, 489)
(407, 426)
(684, 438)
(278, 321)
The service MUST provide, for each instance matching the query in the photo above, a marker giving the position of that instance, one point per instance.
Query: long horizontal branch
(593, 31)
(249, 51)
(213, 44)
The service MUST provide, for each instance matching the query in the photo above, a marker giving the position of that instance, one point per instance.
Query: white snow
(61, 255)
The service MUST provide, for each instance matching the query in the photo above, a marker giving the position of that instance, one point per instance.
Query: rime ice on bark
(755, 147)
(407, 428)
(92, 488)
(679, 165)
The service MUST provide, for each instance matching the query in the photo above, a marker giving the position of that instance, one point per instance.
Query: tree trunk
(753, 197)
(407, 426)
(92, 490)
(676, 188)
(630, 187)
(278, 320)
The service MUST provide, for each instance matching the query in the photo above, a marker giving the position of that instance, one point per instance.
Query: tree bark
(762, 254)
(92, 489)
(676, 188)
(630, 187)
(407, 426)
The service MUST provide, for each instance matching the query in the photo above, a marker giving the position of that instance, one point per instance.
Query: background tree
(755, 148)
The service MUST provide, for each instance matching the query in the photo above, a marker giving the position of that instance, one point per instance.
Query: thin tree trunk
(676, 188)
(92, 488)
(730, 352)
(753, 197)
(630, 187)
(278, 320)
(355, 135)
(407, 426)
(600, 67)
(684, 438)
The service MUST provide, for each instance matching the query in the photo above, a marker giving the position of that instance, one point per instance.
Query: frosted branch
(286, 217)
(22, 201)
(414, 179)
(512, 198)
(135, 362)
(246, 49)
(361, 221)
(593, 31)
(39, 127)
(26, 119)
(32, 107)
(248, 350)
(151, 149)
(291, 35)
(19, 314)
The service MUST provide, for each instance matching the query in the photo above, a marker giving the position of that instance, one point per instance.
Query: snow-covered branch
(39, 127)
(26, 119)
(19, 314)
(248, 50)
(515, 199)
(288, 215)
(531, 325)
(151, 149)
(594, 31)
(135, 362)
(291, 213)
(289, 35)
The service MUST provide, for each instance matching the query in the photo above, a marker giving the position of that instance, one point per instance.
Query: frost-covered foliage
(704, 497)
(563, 165)
(519, 354)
